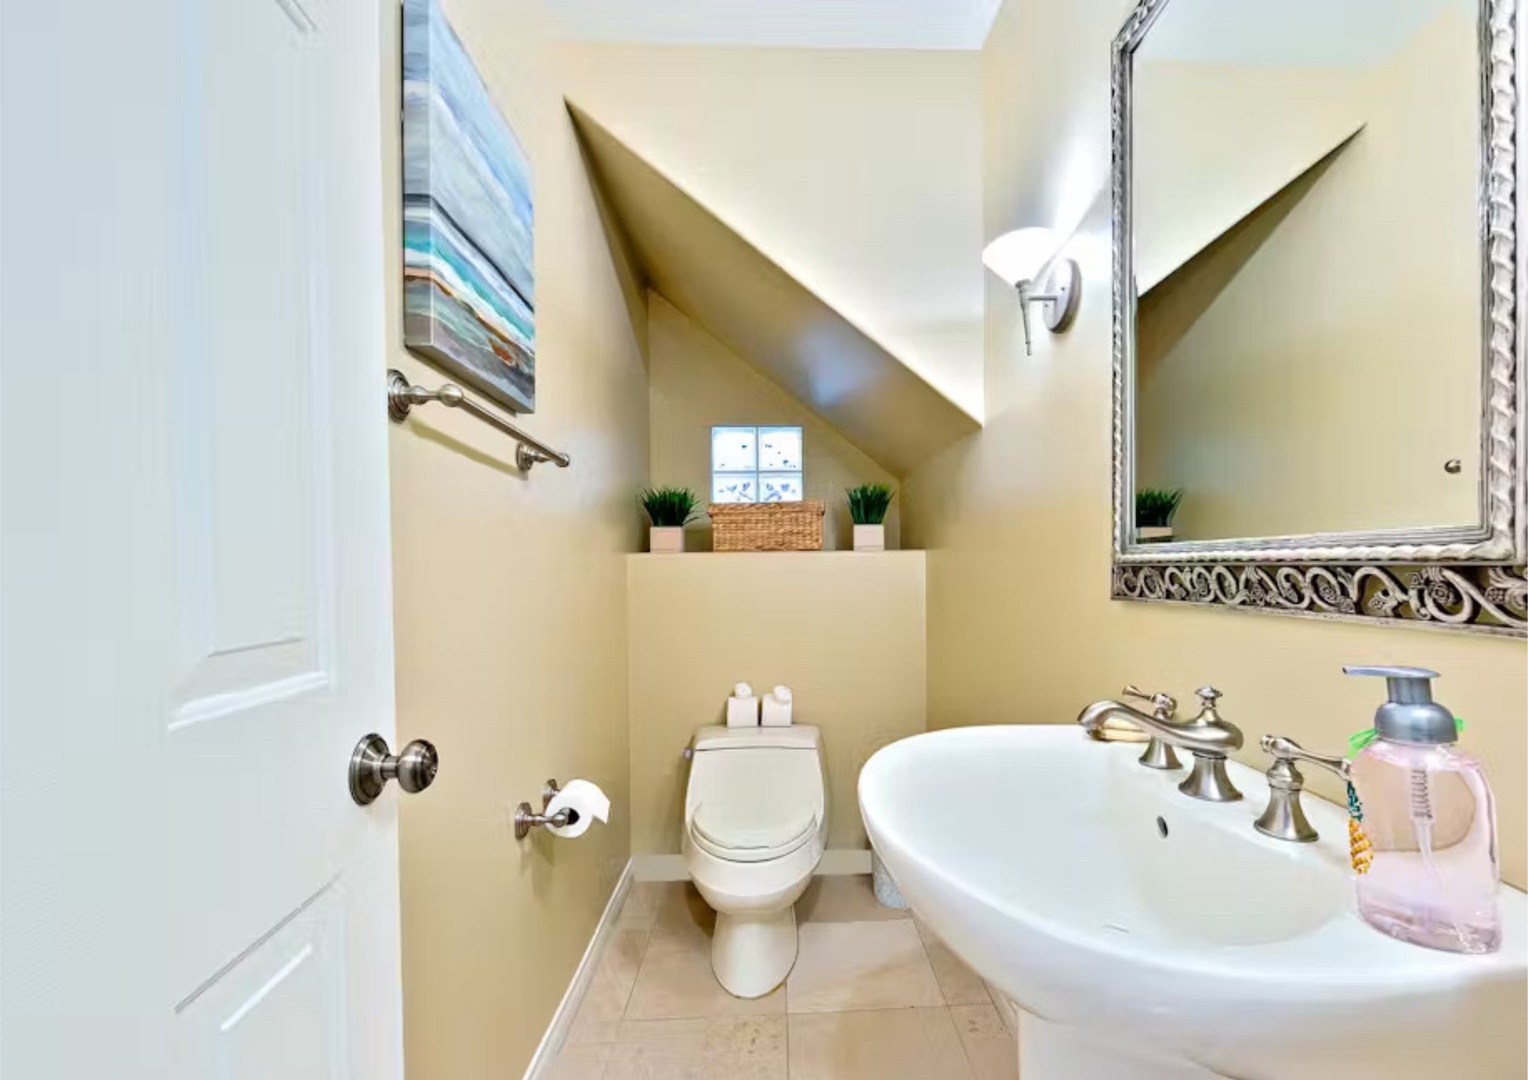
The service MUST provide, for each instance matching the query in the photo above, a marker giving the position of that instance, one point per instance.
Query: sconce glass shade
(1018, 256)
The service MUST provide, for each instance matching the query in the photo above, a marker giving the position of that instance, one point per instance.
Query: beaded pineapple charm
(1359, 849)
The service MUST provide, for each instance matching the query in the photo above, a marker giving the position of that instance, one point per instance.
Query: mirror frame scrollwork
(1469, 578)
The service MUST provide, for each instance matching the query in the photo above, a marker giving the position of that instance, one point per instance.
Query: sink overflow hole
(1161, 828)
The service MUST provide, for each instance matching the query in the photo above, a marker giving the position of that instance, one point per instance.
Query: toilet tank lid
(794, 737)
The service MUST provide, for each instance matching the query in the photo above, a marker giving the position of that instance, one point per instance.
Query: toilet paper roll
(586, 800)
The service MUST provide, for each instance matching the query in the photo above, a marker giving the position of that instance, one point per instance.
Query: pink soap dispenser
(1430, 820)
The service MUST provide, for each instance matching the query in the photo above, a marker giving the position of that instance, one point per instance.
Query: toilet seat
(748, 831)
(755, 800)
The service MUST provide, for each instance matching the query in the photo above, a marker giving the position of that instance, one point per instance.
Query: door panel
(252, 536)
(280, 1012)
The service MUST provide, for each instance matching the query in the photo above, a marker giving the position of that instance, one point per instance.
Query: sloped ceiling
(856, 171)
(841, 24)
(717, 278)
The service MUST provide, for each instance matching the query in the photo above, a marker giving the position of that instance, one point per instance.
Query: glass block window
(756, 464)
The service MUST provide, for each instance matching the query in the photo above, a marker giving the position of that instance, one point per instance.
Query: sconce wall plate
(1063, 285)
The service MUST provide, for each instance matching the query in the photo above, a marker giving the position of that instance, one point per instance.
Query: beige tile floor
(874, 996)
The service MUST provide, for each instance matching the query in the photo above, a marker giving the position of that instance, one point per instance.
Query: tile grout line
(621, 1020)
(1002, 1016)
(787, 1016)
(647, 940)
(929, 960)
(965, 1055)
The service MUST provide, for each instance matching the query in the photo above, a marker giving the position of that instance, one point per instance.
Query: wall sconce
(1017, 257)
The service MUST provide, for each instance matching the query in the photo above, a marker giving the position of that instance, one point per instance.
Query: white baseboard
(567, 1009)
(835, 862)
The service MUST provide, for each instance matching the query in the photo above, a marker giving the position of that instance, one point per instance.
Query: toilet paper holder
(527, 819)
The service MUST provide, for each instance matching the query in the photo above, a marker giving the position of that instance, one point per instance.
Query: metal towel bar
(403, 396)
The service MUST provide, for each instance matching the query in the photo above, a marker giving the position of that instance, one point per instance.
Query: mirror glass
(1306, 222)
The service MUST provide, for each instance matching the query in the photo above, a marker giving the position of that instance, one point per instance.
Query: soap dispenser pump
(1430, 819)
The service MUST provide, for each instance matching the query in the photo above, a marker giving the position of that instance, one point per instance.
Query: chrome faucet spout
(1207, 736)
(1094, 716)
(1197, 735)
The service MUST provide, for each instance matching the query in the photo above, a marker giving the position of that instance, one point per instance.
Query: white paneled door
(195, 615)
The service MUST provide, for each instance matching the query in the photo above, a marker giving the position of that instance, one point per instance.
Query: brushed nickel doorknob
(373, 764)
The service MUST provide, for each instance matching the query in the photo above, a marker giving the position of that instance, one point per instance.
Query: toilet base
(752, 953)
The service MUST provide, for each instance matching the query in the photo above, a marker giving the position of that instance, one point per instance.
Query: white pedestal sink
(1147, 936)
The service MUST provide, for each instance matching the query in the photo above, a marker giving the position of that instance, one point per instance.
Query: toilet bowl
(755, 826)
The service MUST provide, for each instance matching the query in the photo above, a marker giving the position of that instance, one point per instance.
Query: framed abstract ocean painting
(469, 277)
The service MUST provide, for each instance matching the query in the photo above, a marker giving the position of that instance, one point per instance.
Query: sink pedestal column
(1050, 1051)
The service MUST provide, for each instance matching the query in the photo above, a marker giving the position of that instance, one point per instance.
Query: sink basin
(1145, 935)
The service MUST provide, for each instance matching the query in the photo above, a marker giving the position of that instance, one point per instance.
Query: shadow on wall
(1165, 312)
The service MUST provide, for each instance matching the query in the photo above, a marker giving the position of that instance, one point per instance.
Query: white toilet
(755, 826)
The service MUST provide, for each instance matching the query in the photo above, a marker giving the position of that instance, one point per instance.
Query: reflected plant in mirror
(1315, 309)
(1154, 510)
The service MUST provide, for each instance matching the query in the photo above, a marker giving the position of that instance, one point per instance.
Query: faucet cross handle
(1165, 704)
(1208, 696)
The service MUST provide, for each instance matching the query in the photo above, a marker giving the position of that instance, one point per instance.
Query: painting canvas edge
(468, 304)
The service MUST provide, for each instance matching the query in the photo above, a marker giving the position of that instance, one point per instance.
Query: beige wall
(698, 382)
(1324, 385)
(510, 597)
(853, 170)
(844, 631)
(1017, 519)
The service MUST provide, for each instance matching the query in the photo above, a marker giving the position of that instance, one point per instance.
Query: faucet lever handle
(1164, 703)
(1286, 749)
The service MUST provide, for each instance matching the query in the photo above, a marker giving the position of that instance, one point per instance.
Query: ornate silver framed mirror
(1318, 402)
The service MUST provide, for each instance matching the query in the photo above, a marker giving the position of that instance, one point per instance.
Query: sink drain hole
(1161, 828)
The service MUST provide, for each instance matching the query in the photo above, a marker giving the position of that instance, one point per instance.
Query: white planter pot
(870, 538)
(1154, 534)
(665, 540)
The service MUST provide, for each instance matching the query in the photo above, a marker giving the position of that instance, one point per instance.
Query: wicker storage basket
(786, 526)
